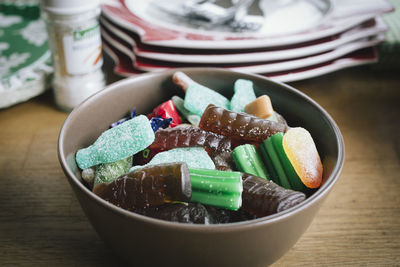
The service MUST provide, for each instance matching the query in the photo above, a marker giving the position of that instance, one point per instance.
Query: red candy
(166, 110)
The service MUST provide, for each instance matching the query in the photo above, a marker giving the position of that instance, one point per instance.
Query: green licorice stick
(216, 188)
(248, 160)
(284, 182)
(290, 172)
(270, 166)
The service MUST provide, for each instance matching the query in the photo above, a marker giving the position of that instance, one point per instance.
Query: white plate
(111, 31)
(345, 15)
(279, 66)
(304, 15)
(123, 65)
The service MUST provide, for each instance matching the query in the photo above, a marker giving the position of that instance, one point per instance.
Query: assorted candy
(203, 159)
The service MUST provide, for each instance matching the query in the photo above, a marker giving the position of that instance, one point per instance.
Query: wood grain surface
(42, 224)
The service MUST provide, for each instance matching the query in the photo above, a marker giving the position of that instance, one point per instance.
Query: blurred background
(285, 40)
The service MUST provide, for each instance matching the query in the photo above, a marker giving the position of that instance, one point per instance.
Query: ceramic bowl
(144, 241)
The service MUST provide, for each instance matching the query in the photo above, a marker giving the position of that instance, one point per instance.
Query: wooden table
(42, 224)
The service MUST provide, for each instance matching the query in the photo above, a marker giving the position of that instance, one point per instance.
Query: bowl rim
(271, 219)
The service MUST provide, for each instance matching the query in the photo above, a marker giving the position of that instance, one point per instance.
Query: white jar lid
(69, 7)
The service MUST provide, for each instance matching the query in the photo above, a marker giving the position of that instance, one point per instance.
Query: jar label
(82, 50)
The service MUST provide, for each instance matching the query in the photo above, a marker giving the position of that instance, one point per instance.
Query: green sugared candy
(108, 172)
(191, 117)
(243, 94)
(216, 188)
(195, 157)
(117, 143)
(287, 176)
(248, 160)
(198, 97)
(88, 176)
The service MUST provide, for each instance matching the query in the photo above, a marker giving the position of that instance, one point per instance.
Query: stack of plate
(296, 40)
(25, 58)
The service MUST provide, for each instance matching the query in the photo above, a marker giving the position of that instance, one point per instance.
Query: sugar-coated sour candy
(187, 136)
(243, 95)
(239, 126)
(117, 143)
(216, 188)
(194, 157)
(301, 151)
(150, 186)
(190, 117)
(248, 160)
(108, 172)
(197, 96)
(262, 197)
(260, 107)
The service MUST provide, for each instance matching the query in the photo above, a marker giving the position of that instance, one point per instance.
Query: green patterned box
(25, 59)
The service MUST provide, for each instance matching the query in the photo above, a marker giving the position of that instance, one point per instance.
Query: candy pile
(234, 160)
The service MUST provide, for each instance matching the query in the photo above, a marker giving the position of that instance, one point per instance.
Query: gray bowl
(144, 241)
